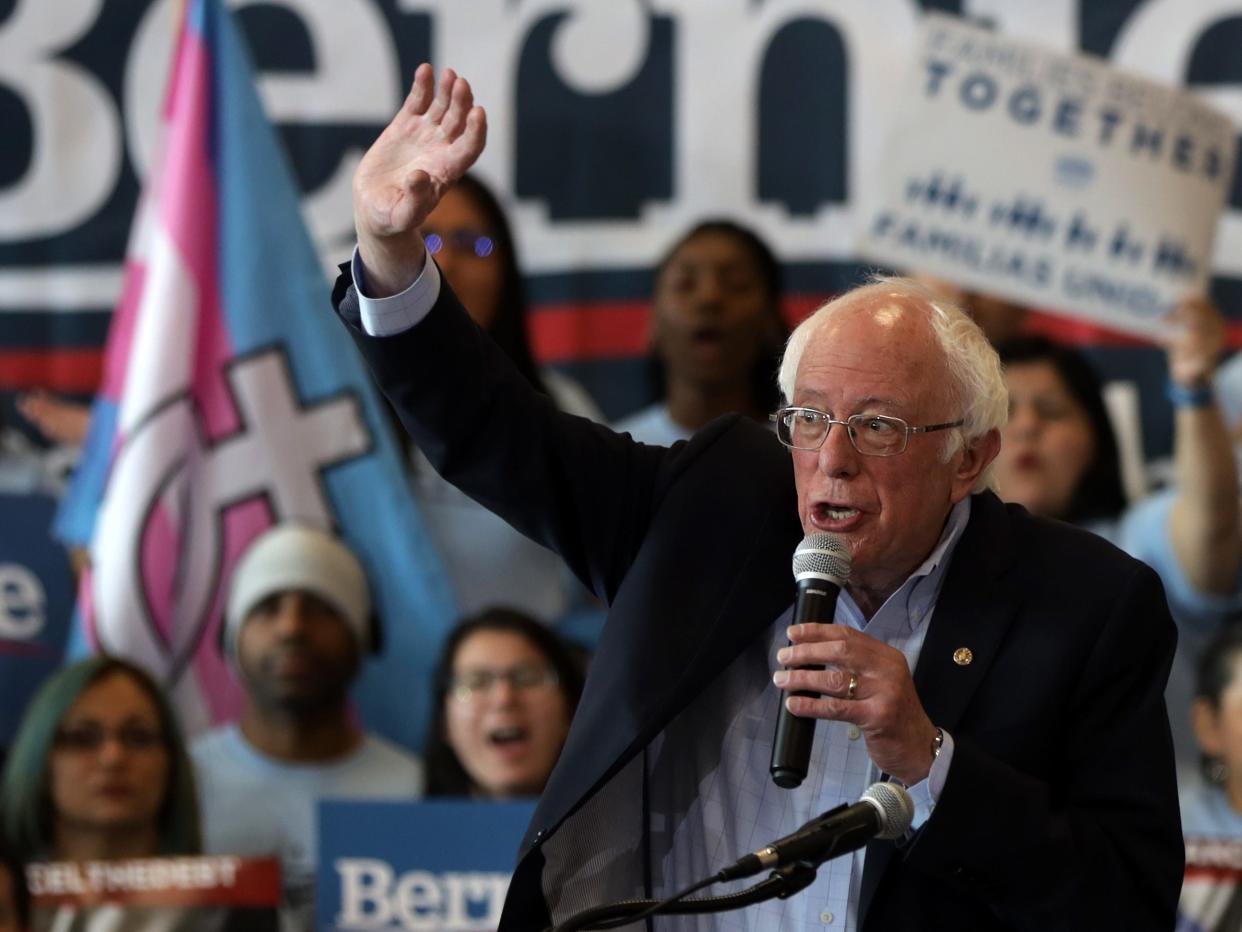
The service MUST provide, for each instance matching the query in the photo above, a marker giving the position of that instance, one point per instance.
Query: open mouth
(507, 736)
(834, 517)
(836, 512)
(840, 513)
(706, 336)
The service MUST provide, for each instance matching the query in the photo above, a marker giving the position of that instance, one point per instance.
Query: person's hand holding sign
(1204, 520)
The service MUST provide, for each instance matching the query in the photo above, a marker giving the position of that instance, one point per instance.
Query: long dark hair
(445, 774)
(1099, 493)
(508, 328)
(764, 389)
(10, 863)
(1214, 674)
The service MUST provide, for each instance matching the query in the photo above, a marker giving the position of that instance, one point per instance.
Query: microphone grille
(895, 806)
(822, 556)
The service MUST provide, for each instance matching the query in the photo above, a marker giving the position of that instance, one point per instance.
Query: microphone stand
(782, 883)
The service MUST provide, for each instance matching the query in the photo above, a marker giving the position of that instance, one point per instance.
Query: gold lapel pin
(963, 656)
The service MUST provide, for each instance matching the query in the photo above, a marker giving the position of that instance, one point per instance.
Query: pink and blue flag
(232, 399)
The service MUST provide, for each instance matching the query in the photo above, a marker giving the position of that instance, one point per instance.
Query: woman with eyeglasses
(472, 242)
(506, 688)
(487, 561)
(98, 770)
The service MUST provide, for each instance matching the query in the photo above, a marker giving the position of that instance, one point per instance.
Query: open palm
(434, 138)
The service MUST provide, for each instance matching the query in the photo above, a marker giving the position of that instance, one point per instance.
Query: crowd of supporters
(100, 768)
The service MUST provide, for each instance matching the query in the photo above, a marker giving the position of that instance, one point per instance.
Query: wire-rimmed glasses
(871, 434)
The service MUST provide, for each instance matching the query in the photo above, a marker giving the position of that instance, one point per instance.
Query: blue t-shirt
(1143, 532)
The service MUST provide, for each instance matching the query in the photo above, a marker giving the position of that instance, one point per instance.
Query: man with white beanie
(296, 629)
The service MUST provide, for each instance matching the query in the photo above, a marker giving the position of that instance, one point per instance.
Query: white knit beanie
(294, 556)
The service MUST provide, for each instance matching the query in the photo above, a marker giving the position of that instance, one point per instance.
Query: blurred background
(614, 124)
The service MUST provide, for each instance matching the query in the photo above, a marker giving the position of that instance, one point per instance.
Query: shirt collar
(938, 559)
(911, 604)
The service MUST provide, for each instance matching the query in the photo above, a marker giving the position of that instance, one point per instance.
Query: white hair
(977, 386)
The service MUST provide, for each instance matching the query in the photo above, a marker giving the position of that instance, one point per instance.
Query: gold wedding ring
(852, 689)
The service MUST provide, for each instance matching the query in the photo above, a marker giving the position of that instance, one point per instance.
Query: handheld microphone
(821, 566)
(884, 811)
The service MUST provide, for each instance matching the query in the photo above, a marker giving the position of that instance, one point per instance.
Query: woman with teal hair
(98, 770)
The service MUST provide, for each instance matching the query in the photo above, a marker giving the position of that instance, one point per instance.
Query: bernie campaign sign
(1052, 180)
(439, 866)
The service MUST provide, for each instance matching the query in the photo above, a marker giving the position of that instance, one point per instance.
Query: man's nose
(837, 456)
(291, 616)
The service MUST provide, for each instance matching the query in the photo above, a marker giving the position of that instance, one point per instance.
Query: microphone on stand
(821, 566)
(884, 811)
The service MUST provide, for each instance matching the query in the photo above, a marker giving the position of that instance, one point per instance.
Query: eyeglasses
(475, 684)
(89, 738)
(870, 434)
(461, 241)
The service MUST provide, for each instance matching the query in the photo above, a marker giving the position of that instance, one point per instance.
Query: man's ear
(975, 457)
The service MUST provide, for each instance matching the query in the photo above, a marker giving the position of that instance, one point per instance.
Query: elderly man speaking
(1009, 671)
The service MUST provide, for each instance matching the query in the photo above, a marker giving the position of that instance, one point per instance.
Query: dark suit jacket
(1060, 807)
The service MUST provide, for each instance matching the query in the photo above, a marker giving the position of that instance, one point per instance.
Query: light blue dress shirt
(739, 809)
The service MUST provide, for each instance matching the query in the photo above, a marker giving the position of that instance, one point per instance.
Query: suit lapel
(972, 616)
(653, 660)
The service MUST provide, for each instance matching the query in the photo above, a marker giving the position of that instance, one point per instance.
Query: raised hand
(1197, 341)
(434, 138)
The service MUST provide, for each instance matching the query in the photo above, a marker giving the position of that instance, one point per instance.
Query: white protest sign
(1052, 180)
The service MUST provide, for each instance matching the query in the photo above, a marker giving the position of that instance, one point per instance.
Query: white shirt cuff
(926, 793)
(382, 317)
